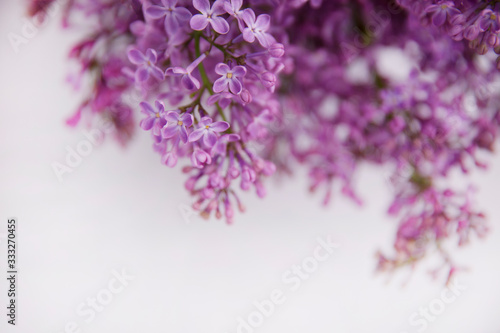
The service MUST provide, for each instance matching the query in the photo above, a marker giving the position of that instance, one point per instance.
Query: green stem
(203, 73)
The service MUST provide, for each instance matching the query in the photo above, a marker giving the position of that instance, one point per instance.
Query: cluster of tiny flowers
(235, 90)
(477, 22)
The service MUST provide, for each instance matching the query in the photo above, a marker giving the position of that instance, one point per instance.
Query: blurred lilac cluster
(235, 90)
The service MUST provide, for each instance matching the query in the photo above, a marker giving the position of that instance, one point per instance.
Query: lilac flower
(207, 130)
(442, 11)
(489, 20)
(177, 125)
(146, 64)
(154, 117)
(256, 28)
(188, 80)
(233, 8)
(209, 15)
(230, 78)
(174, 16)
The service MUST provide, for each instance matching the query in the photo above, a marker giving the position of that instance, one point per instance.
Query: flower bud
(276, 50)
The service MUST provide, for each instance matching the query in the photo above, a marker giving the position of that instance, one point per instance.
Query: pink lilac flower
(154, 117)
(207, 131)
(177, 124)
(146, 64)
(209, 15)
(257, 28)
(230, 78)
(187, 79)
(175, 16)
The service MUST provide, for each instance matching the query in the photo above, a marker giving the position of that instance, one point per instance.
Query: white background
(120, 210)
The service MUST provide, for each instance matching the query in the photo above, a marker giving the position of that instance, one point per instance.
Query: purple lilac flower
(177, 124)
(209, 15)
(154, 117)
(257, 28)
(489, 20)
(174, 16)
(188, 80)
(442, 11)
(146, 64)
(230, 78)
(207, 131)
(233, 8)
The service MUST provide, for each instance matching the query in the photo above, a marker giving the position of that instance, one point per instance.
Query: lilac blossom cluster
(239, 89)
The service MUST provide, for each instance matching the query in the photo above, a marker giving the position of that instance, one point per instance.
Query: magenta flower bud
(493, 40)
(471, 32)
(200, 158)
(190, 183)
(276, 50)
(268, 79)
(233, 172)
(207, 193)
(244, 185)
(245, 96)
(248, 174)
(169, 159)
(269, 168)
(261, 190)
(482, 49)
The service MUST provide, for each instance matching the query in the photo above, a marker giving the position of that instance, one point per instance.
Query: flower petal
(204, 121)
(142, 74)
(151, 55)
(183, 134)
(220, 84)
(147, 109)
(156, 12)
(157, 73)
(263, 22)
(182, 14)
(239, 71)
(198, 22)
(248, 35)
(220, 25)
(219, 126)
(172, 116)
(169, 131)
(187, 119)
(136, 57)
(235, 86)
(439, 18)
(222, 68)
(160, 107)
(202, 5)
(175, 71)
(196, 135)
(218, 7)
(147, 123)
(248, 17)
(209, 139)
